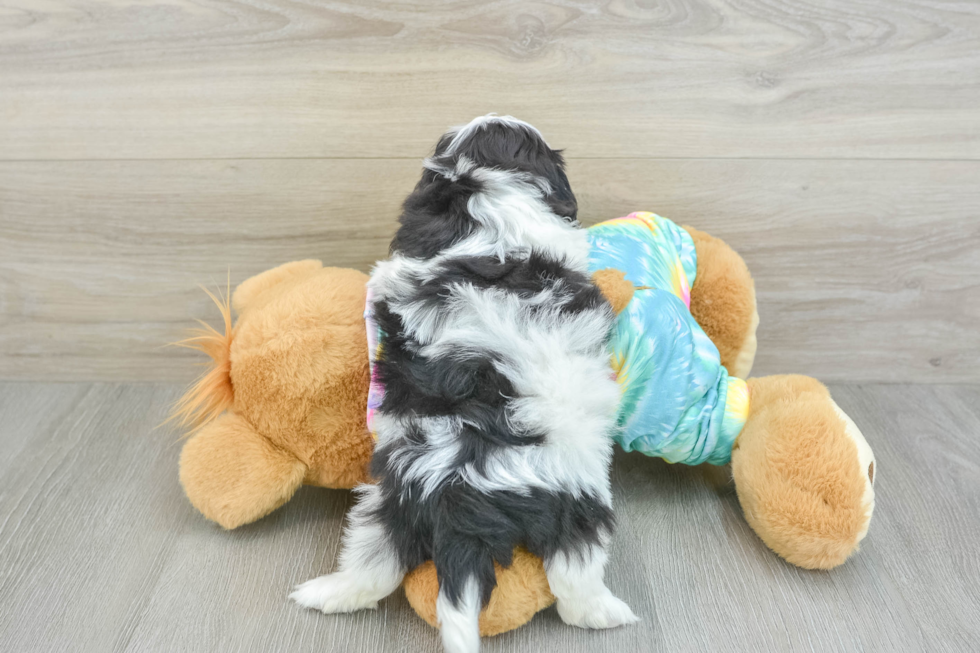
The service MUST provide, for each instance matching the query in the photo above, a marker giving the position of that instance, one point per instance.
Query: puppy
(498, 397)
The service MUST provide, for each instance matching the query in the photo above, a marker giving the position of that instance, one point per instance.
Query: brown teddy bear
(284, 404)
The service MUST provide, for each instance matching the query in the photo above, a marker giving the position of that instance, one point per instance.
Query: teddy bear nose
(871, 472)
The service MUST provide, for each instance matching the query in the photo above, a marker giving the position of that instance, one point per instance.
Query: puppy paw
(605, 611)
(334, 593)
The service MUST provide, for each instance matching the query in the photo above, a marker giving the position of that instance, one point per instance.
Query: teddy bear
(286, 399)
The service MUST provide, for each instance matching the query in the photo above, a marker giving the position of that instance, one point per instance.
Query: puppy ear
(444, 142)
(561, 200)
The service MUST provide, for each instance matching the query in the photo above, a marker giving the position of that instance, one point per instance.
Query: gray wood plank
(99, 550)
(209, 78)
(866, 271)
(90, 510)
(27, 409)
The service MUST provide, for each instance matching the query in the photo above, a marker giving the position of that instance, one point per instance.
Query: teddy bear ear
(252, 288)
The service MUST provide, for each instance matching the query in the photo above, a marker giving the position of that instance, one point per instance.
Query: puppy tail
(213, 392)
(466, 580)
(459, 617)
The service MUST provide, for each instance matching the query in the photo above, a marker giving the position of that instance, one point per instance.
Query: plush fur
(494, 427)
(521, 591)
(798, 473)
(723, 302)
(292, 380)
(614, 287)
(211, 394)
(234, 474)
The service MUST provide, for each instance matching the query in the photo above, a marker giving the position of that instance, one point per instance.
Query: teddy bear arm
(803, 472)
(235, 475)
(723, 302)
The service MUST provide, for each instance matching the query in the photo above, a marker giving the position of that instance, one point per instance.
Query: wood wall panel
(83, 79)
(866, 270)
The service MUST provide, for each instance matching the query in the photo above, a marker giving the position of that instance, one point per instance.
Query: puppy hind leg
(583, 599)
(369, 567)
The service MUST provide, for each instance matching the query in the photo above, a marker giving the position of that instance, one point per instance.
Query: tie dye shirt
(678, 402)
(376, 391)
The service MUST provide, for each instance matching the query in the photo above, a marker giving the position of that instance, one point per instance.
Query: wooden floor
(99, 550)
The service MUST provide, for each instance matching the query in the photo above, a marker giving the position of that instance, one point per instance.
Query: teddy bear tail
(235, 475)
(212, 393)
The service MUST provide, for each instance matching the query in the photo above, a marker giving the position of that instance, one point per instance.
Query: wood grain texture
(84, 79)
(865, 270)
(99, 551)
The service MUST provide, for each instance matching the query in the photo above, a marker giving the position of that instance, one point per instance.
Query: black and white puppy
(499, 399)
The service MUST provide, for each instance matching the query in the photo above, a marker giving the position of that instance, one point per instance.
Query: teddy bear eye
(871, 472)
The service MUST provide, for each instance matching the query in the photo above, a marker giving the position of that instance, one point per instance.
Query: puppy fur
(499, 399)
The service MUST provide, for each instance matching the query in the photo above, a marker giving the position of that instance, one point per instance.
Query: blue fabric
(678, 403)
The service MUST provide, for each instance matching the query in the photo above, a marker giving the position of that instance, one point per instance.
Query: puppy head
(478, 179)
(506, 143)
